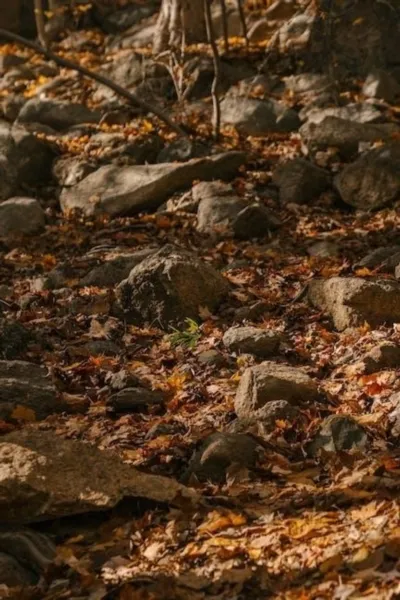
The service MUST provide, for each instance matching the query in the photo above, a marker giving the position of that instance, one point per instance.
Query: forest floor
(296, 525)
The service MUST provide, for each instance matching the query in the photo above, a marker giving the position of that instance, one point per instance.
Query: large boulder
(126, 190)
(354, 301)
(299, 181)
(21, 216)
(169, 287)
(26, 391)
(56, 114)
(272, 381)
(362, 36)
(258, 117)
(43, 476)
(373, 180)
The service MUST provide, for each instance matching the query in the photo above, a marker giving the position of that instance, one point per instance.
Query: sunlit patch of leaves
(188, 338)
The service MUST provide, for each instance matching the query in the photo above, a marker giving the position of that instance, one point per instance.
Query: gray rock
(222, 212)
(307, 82)
(339, 433)
(353, 301)
(373, 180)
(21, 216)
(344, 134)
(116, 269)
(381, 84)
(26, 386)
(13, 574)
(121, 379)
(270, 381)
(384, 356)
(258, 117)
(211, 358)
(169, 287)
(133, 399)
(10, 106)
(324, 249)
(251, 340)
(8, 178)
(70, 170)
(296, 32)
(126, 190)
(181, 150)
(56, 114)
(46, 477)
(386, 257)
(14, 340)
(355, 112)
(219, 453)
(299, 181)
(263, 421)
(28, 159)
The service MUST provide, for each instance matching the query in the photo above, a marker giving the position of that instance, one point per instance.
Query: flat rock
(21, 216)
(252, 340)
(344, 134)
(43, 476)
(353, 301)
(169, 287)
(373, 180)
(219, 453)
(14, 339)
(127, 190)
(270, 381)
(339, 433)
(386, 258)
(354, 111)
(56, 114)
(132, 399)
(256, 117)
(26, 389)
(299, 181)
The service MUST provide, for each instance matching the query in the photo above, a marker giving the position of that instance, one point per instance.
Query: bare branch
(217, 69)
(225, 24)
(243, 22)
(64, 62)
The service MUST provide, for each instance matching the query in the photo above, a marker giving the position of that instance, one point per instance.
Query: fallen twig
(64, 62)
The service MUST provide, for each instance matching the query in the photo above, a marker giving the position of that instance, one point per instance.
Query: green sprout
(187, 338)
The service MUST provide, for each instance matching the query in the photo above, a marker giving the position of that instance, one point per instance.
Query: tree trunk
(180, 20)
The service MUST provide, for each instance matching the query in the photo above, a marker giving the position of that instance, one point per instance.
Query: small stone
(339, 433)
(384, 356)
(299, 181)
(211, 358)
(113, 271)
(252, 340)
(270, 381)
(14, 340)
(263, 422)
(324, 249)
(256, 117)
(133, 399)
(56, 114)
(220, 452)
(21, 216)
(168, 428)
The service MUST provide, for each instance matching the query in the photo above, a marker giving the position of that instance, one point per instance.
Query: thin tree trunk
(40, 23)
(217, 70)
(178, 17)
